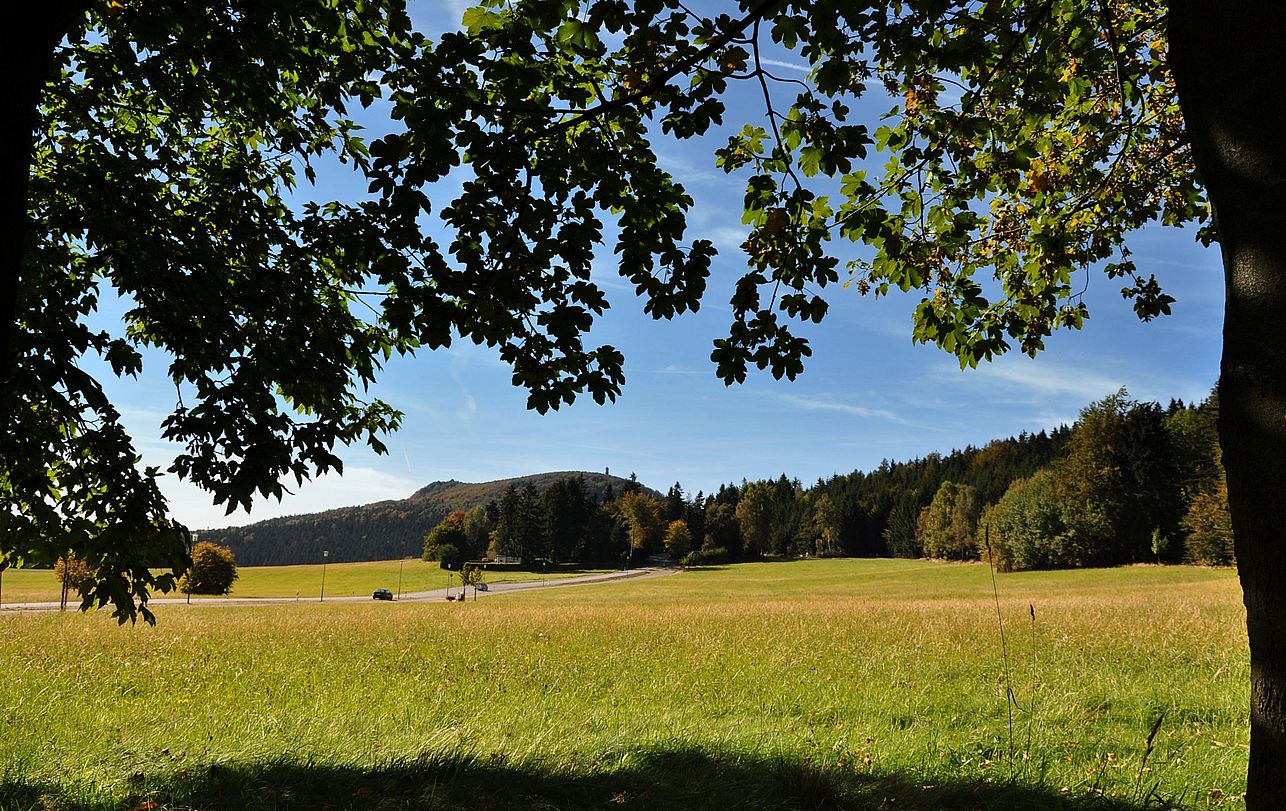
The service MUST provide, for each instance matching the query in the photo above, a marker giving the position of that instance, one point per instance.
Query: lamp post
(325, 554)
(191, 543)
(400, 564)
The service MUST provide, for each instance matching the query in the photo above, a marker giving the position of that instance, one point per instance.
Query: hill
(466, 495)
(383, 530)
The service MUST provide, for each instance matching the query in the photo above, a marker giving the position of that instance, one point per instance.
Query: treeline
(1129, 482)
(385, 530)
(568, 521)
(1136, 483)
(860, 514)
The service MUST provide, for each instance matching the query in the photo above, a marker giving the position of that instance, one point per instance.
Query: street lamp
(191, 543)
(325, 554)
(400, 564)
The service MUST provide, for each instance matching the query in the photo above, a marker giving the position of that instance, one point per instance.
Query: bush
(213, 571)
(706, 557)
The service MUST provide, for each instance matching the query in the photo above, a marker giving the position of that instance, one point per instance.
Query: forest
(384, 530)
(1129, 482)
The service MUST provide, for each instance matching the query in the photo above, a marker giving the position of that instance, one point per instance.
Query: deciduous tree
(754, 516)
(678, 539)
(213, 570)
(949, 523)
(449, 533)
(640, 514)
(1209, 529)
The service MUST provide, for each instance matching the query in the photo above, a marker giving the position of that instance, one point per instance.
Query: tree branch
(679, 66)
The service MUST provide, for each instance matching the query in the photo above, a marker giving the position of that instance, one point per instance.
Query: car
(382, 594)
(481, 587)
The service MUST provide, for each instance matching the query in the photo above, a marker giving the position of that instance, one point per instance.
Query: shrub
(213, 570)
(706, 557)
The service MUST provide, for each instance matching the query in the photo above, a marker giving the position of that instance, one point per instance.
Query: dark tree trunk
(29, 61)
(1229, 62)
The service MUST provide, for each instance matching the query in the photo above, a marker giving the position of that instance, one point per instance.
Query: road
(417, 596)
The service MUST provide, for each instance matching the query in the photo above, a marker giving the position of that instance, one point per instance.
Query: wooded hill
(384, 530)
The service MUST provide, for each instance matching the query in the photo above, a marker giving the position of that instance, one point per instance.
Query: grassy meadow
(812, 684)
(304, 581)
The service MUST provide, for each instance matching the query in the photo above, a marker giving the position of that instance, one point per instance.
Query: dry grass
(837, 678)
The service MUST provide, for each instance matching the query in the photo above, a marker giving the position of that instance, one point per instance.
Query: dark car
(382, 594)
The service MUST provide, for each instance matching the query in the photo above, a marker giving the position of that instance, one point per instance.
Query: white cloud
(781, 63)
(1060, 385)
(826, 404)
(1042, 379)
(727, 238)
(674, 369)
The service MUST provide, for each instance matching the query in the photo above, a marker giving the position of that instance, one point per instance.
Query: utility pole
(325, 554)
(400, 564)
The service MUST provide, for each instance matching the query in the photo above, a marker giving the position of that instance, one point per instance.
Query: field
(342, 580)
(813, 684)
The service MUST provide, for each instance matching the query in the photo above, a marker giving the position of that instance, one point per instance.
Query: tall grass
(817, 683)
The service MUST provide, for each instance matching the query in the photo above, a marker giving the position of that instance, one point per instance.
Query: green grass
(342, 580)
(841, 683)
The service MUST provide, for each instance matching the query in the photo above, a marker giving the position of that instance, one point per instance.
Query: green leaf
(477, 19)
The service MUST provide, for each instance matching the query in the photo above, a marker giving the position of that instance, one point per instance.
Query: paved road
(435, 594)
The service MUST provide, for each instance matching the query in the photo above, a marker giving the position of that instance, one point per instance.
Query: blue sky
(868, 392)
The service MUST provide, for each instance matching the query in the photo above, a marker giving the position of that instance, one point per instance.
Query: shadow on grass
(667, 779)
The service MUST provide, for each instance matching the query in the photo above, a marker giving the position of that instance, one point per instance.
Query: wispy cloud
(802, 67)
(1043, 379)
(727, 238)
(688, 171)
(674, 369)
(469, 408)
(827, 404)
(1023, 380)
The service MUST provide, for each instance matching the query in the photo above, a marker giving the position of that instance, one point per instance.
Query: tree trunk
(1229, 64)
(29, 62)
